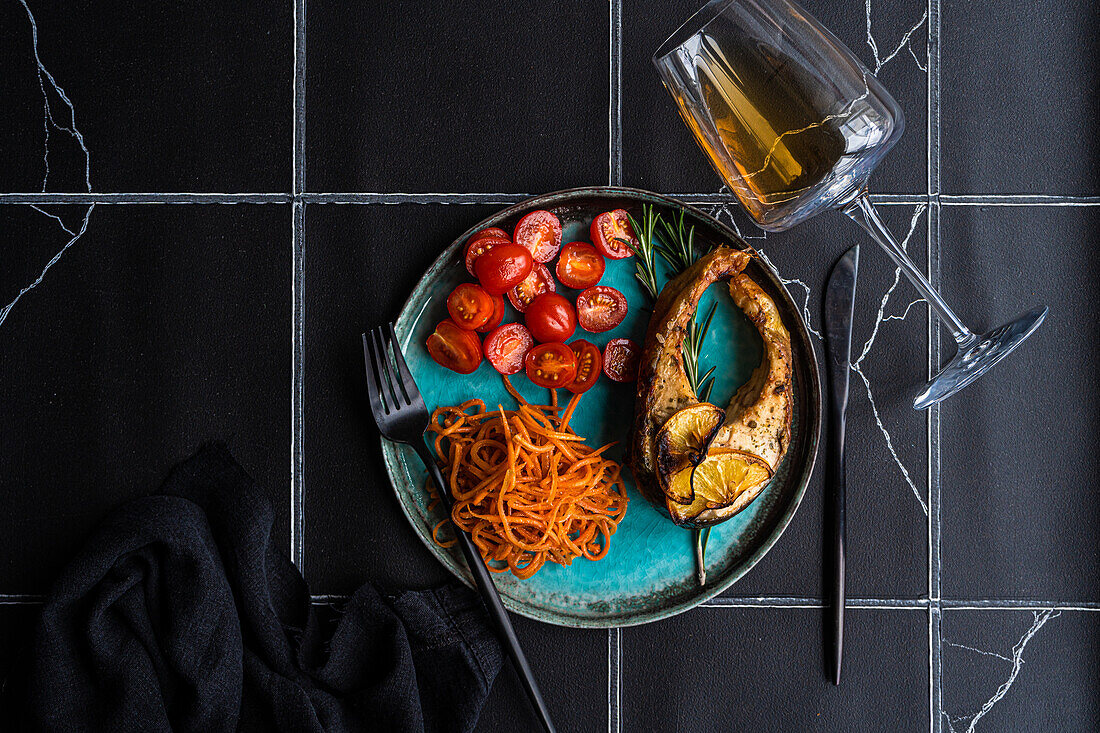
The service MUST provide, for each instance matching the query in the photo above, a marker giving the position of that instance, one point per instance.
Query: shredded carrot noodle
(526, 487)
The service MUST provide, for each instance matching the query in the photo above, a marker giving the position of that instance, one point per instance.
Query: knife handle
(835, 503)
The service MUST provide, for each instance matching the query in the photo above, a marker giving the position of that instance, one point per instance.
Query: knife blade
(839, 306)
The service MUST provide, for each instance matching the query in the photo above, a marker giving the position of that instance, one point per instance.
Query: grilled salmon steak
(696, 461)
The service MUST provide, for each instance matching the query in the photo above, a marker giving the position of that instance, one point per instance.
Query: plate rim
(391, 451)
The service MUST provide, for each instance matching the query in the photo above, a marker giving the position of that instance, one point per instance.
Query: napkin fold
(180, 614)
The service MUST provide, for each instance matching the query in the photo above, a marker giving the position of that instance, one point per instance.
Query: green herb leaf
(693, 347)
(705, 388)
(677, 244)
(645, 262)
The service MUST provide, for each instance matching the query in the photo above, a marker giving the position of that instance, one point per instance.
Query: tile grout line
(614, 680)
(615, 178)
(935, 606)
(929, 337)
(1014, 199)
(21, 599)
(434, 197)
(953, 604)
(779, 602)
(615, 87)
(299, 129)
(297, 337)
(179, 197)
(884, 603)
(183, 197)
(297, 487)
(797, 602)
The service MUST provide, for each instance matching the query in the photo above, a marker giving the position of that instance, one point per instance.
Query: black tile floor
(172, 98)
(444, 98)
(1037, 541)
(268, 180)
(996, 678)
(1025, 123)
(134, 362)
(769, 659)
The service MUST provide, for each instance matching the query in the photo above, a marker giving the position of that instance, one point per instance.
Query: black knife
(839, 300)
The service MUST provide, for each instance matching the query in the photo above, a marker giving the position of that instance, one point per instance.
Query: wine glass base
(977, 356)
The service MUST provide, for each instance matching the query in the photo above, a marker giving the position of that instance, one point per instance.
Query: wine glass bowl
(795, 125)
(785, 113)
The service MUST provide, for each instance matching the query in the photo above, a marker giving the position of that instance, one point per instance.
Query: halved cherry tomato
(612, 234)
(478, 246)
(551, 365)
(490, 232)
(600, 308)
(506, 347)
(589, 361)
(540, 233)
(620, 360)
(538, 282)
(503, 267)
(497, 318)
(470, 306)
(580, 265)
(455, 348)
(550, 317)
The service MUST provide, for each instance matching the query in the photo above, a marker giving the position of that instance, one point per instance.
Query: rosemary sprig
(693, 346)
(677, 244)
(677, 247)
(645, 260)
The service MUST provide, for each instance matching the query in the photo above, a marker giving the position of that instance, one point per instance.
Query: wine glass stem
(862, 212)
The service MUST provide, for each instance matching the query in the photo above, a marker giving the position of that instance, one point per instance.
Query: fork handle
(489, 595)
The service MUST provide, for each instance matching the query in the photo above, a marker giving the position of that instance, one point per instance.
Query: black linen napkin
(180, 614)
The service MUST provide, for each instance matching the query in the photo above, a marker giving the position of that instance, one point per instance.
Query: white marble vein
(857, 365)
(49, 122)
(977, 651)
(923, 67)
(74, 236)
(881, 61)
(805, 290)
(1017, 662)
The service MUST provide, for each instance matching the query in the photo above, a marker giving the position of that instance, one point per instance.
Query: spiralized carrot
(526, 487)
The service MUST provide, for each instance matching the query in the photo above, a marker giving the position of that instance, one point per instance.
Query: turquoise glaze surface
(649, 572)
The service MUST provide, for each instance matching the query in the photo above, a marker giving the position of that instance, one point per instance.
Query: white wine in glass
(795, 124)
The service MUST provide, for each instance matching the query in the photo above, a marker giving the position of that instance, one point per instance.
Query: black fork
(402, 417)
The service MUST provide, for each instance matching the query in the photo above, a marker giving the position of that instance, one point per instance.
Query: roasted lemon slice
(682, 442)
(726, 478)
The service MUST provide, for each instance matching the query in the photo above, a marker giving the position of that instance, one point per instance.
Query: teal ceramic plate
(649, 572)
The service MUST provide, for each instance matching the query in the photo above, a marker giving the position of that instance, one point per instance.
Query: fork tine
(408, 385)
(380, 371)
(385, 372)
(374, 387)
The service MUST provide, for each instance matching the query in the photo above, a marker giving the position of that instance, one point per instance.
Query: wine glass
(795, 124)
